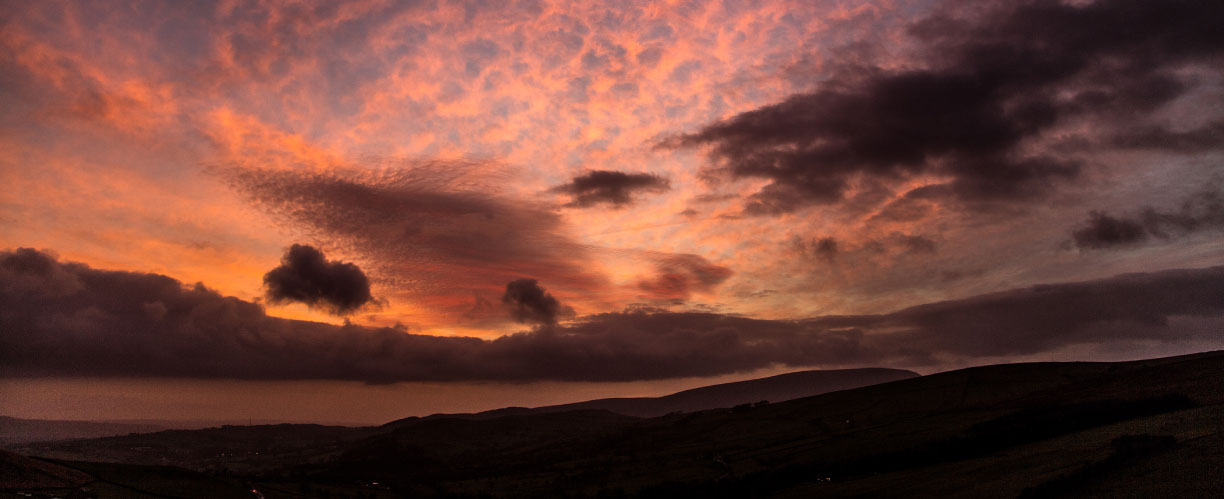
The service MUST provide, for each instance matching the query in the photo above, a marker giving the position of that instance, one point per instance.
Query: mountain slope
(1062, 428)
(778, 388)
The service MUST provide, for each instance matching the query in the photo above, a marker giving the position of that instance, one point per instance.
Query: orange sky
(109, 162)
(116, 116)
(121, 122)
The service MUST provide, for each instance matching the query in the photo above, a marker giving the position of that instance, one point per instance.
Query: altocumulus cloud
(67, 319)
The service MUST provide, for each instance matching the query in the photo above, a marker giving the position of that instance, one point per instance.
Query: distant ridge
(23, 431)
(19, 431)
(778, 388)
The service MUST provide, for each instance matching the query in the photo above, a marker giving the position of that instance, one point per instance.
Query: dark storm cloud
(305, 275)
(678, 276)
(67, 319)
(917, 244)
(829, 250)
(609, 187)
(1205, 138)
(529, 303)
(977, 108)
(1104, 231)
(824, 248)
(1202, 211)
(426, 227)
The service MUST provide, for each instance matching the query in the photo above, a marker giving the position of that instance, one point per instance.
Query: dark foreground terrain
(1151, 428)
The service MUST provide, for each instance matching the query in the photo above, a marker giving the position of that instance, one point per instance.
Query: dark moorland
(1149, 428)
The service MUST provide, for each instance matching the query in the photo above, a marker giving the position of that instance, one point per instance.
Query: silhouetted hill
(17, 431)
(778, 388)
(229, 447)
(986, 431)
(20, 431)
(1151, 428)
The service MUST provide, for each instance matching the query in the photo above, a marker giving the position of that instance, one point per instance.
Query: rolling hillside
(1151, 428)
(778, 388)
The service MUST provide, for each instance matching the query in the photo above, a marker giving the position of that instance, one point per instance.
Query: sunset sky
(366, 210)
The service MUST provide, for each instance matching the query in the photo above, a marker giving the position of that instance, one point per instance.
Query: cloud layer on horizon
(67, 319)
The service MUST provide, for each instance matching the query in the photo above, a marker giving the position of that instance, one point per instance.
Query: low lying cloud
(305, 275)
(978, 103)
(1104, 231)
(609, 187)
(67, 319)
(1203, 211)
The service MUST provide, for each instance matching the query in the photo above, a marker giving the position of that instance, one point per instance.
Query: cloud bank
(67, 319)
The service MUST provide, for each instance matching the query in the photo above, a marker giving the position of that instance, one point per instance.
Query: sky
(273, 209)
